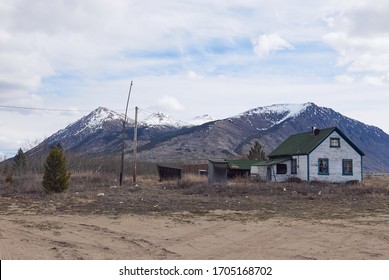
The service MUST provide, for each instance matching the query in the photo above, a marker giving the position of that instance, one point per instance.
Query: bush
(56, 177)
(9, 179)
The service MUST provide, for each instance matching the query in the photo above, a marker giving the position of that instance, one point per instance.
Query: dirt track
(187, 237)
(195, 222)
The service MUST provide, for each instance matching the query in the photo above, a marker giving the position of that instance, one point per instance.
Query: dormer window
(334, 142)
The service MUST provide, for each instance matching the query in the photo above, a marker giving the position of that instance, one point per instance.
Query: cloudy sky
(187, 58)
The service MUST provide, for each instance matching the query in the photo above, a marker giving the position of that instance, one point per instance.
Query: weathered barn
(317, 155)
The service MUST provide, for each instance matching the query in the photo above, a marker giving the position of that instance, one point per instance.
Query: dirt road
(187, 236)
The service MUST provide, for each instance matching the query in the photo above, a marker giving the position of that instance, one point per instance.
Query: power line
(47, 109)
(41, 109)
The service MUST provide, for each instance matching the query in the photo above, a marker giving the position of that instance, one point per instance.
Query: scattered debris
(100, 194)
(134, 188)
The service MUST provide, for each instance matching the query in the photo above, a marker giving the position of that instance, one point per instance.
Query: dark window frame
(281, 168)
(323, 166)
(350, 166)
(336, 144)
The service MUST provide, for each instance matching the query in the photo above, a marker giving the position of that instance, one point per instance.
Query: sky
(187, 58)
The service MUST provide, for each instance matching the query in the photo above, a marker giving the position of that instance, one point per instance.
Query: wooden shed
(168, 172)
(220, 170)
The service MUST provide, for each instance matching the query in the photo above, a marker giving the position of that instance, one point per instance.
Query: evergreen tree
(56, 177)
(19, 164)
(256, 152)
(7, 173)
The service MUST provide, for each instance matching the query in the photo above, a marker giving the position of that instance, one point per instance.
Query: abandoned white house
(318, 155)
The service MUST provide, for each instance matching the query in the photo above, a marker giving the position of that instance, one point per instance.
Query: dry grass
(193, 195)
(377, 181)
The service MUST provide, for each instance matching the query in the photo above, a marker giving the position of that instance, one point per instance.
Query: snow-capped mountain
(233, 137)
(161, 119)
(274, 114)
(160, 137)
(98, 122)
(94, 121)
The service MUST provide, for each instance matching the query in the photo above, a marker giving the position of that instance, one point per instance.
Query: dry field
(189, 219)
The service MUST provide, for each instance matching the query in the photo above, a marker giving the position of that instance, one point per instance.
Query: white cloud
(194, 76)
(270, 43)
(170, 103)
(374, 81)
(360, 35)
(344, 79)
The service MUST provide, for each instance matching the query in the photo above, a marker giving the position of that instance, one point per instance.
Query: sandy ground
(192, 220)
(186, 236)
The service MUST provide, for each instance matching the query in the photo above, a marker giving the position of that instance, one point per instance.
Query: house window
(293, 167)
(347, 166)
(334, 142)
(323, 166)
(282, 168)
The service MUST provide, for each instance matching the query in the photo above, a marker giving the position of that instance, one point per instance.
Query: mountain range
(162, 139)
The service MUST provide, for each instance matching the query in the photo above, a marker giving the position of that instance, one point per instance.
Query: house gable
(327, 162)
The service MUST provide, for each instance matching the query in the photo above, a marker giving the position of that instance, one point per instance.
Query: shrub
(56, 177)
(9, 179)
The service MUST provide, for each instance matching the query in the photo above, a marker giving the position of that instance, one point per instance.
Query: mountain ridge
(226, 138)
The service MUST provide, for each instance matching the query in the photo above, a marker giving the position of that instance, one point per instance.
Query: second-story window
(335, 142)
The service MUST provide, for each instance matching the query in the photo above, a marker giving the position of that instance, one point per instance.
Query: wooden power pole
(123, 133)
(135, 144)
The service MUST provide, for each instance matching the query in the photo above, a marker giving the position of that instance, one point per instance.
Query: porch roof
(271, 161)
(236, 163)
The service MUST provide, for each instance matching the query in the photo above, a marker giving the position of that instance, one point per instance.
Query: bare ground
(192, 220)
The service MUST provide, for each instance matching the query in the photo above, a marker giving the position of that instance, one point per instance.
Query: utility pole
(123, 132)
(135, 144)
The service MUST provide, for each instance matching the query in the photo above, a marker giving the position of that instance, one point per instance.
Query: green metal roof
(236, 163)
(241, 164)
(305, 143)
(271, 161)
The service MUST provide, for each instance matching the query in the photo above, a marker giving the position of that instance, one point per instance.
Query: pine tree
(56, 177)
(256, 152)
(7, 173)
(19, 164)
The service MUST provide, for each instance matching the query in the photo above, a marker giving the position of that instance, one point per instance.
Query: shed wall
(217, 172)
(259, 172)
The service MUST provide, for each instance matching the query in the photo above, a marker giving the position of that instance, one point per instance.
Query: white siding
(302, 167)
(335, 157)
(259, 172)
(280, 177)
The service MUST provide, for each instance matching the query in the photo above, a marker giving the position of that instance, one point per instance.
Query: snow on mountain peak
(157, 119)
(282, 111)
(96, 119)
(292, 110)
(101, 115)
